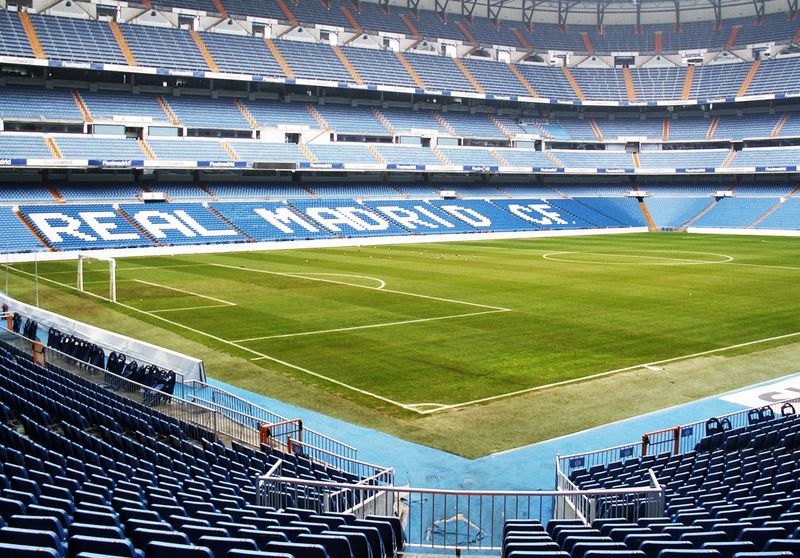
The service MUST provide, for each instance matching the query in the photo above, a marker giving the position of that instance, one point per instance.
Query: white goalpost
(88, 261)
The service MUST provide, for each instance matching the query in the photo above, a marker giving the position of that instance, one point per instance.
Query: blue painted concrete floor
(527, 468)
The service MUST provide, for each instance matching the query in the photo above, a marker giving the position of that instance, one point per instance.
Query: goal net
(98, 276)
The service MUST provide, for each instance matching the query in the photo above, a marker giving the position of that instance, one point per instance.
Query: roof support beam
(528, 7)
(677, 5)
(601, 13)
(717, 5)
(468, 8)
(758, 5)
(792, 6)
(441, 6)
(493, 8)
(410, 4)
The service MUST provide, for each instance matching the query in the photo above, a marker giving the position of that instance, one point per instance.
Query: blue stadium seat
(97, 545)
(157, 549)
(9, 550)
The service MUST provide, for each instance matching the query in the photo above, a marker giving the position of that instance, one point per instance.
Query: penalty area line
(310, 277)
(232, 344)
(369, 326)
(177, 290)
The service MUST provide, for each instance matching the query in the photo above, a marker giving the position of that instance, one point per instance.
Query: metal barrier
(228, 402)
(677, 440)
(452, 519)
(361, 469)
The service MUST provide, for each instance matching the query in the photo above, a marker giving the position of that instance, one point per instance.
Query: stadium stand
(141, 478)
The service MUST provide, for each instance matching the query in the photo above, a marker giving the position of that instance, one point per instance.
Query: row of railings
(676, 440)
(257, 417)
(206, 406)
(435, 519)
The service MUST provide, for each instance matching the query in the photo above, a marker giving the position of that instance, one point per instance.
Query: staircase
(279, 58)
(347, 64)
(665, 133)
(774, 208)
(732, 37)
(748, 79)
(81, 106)
(307, 152)
(574, 84)
(33, 37)
(712, 128)
(727, 162)
(500, 126)
(522, 80)
(500, 159)
(779, 126)
(34, 232)
(687, 82)
(417, 35)
(122, 43)
(587, 42)
(288, 13)
(554, 159)
(635, 160)
(475, 44)
(229, 223)
(229, 149)
(475, 84)
(442, 158)
(146, 149)
(595, 129)
(246, 114)
(650, 223)
(444, 123)
(221, 9)
(659, 43)
(201, 46)
(351, 18)
(168, 111)
(629, 86)
(317, 116)
(55, 193)
(377, 155)
(694, 219)
(411, 71)
(53, 148)
(521, 38)
(136, 226)
(383, 120)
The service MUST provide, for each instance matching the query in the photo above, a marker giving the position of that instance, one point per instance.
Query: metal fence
(677, 440)
(225, 401)
(436, 519)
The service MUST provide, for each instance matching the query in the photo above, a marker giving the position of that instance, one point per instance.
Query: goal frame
(112, 274)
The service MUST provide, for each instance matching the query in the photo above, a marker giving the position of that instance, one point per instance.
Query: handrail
(312, 437)
(686, 438)
(457, 519)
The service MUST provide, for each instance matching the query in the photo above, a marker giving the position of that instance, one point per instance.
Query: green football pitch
(413, 331)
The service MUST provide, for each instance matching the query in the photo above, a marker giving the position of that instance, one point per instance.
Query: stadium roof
(653, 10)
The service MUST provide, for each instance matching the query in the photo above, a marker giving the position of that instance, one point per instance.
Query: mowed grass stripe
(569, 320)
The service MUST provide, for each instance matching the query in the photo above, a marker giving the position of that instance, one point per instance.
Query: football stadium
(384, 278)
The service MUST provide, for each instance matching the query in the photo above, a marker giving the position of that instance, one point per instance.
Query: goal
(95, 273)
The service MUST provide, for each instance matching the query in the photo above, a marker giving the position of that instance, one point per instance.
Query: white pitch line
(224, 302)
(298, 276)
(369, 326)
(232, 344)
(381, 282)
(191, 308)
(602, 374)
(549, 256)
